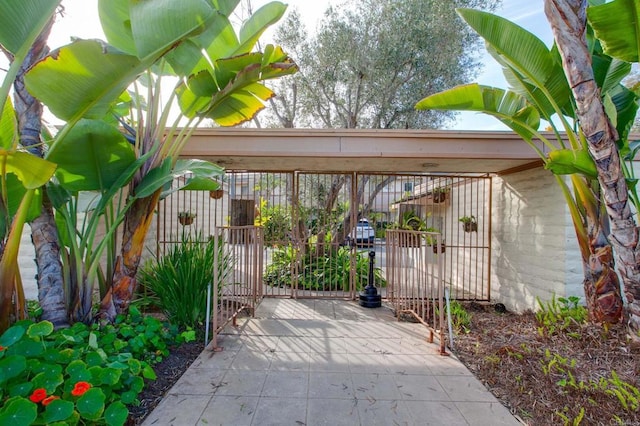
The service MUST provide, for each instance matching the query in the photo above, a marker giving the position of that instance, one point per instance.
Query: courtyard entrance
(318, 229)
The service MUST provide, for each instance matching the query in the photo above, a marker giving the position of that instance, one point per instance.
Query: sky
(80, 20)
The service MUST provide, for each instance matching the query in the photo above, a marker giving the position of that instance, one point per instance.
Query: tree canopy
(371, 61)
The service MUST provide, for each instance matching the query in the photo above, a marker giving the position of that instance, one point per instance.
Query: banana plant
(539, 91)
(21, 174)
(217, 76)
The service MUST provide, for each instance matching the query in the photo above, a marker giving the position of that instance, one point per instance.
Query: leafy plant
(560, 314)
(177, 282)
(329, 271)
(82, 374)
(460, 318)
(469, 223)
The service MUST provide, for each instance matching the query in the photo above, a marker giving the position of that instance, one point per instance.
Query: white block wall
(534, 248)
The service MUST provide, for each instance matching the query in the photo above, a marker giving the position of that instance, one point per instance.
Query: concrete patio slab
(327, 362)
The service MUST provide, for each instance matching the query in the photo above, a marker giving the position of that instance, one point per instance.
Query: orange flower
(38, 395)
(48, 400)
(80, 388)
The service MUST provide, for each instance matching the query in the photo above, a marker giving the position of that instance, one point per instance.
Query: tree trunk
(568, 22)
(44, 233)
(136, 225)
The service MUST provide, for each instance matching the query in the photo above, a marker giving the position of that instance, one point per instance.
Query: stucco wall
(534, 248)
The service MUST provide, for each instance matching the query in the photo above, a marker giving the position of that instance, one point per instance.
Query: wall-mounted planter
(217, 194)
(470, 227)
(186, 219)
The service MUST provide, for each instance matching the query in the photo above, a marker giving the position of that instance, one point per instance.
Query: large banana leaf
(22, 21)
(532, 69)
(8, 126)
(92, 156)
(162, 176)
(234, 95)
(82, 79)
(617, 25)
(20, 24)
(157, 24)
(510, 108)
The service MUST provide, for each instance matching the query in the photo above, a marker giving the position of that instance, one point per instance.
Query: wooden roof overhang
(374, 151)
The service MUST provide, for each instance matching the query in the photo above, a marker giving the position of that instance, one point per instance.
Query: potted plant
(216, 194)
(186, 218)
(469, 223)
(410, 221)
(435, 247)
(439, 194)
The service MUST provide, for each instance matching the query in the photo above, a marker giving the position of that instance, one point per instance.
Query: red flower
(80, 388)
(2, 348)
(38, 395)
(48, 400)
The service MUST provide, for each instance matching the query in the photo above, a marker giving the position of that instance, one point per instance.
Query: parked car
(363, 234)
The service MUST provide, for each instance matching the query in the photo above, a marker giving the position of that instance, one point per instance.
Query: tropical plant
(218, 79)
(22, 24)
(606, 120)
(540, 91)
(177, 282)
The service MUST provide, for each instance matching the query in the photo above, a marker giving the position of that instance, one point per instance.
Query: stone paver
(327, 362)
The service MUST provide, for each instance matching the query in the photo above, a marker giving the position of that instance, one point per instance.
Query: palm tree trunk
(136, 225)
(44, 233)
(568, 22)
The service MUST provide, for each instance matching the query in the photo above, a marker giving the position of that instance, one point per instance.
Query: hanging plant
(186, 218)
(216, 194)
(439, 194)
(469, 223)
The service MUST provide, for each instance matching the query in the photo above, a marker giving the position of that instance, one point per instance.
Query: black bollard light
(369, 297)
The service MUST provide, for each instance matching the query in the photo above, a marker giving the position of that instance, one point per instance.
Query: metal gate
(311, 226)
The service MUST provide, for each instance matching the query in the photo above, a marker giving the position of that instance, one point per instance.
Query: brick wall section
(534, 248)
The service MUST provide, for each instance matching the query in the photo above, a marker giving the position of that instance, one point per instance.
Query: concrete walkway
(327, 362)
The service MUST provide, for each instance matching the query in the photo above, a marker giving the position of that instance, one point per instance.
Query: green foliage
(460, 318)
(276, 223)
(329, 271)
(82, 374)
(560, 315)
(565, 372)
(177, 282)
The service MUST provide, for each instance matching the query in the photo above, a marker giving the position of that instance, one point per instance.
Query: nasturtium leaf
(41, 329)
(12, 335)
(18, 411)
(21, 389)
(91, 403)
(48, 381)
(28, 347)
(58, 410)
(78, 372)
(116, 414)
(149, 373)
(12, 366)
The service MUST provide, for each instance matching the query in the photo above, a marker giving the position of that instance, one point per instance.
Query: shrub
(329, 271)
(79, 375)
(177, 282)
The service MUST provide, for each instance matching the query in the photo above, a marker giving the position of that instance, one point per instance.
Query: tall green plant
(217, 78)
(177, 282)
(540, 91)
(21, 23)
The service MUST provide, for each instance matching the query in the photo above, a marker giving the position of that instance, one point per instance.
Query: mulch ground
(584, 374)
(168, 372)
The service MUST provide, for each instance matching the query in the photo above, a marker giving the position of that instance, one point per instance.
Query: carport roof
(342, 150)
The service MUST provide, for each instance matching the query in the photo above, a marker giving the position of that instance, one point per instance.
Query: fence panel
(240, 287)
(415, 266)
